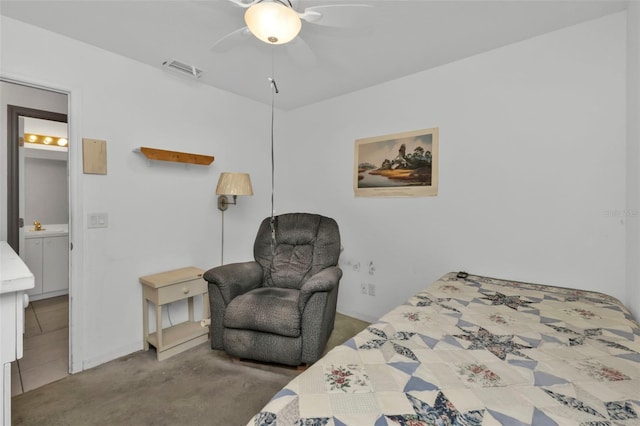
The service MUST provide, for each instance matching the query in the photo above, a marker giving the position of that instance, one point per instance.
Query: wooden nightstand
(166, 287)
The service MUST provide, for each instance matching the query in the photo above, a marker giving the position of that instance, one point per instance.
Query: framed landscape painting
(398, 165)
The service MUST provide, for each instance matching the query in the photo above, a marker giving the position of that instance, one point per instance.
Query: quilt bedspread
(477, 351)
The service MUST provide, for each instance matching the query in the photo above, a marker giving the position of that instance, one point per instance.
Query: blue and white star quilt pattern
(477, 351)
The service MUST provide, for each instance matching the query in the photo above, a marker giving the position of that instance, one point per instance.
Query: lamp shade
(272, 22)
(234, 184)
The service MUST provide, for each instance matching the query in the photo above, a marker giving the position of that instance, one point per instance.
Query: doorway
(16, 115)
(46, 339)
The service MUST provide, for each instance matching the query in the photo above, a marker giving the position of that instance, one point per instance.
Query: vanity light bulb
(62, 142)
(33, 138)
(48, 140)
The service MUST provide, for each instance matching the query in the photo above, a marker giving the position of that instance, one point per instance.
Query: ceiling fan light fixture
(273, 22)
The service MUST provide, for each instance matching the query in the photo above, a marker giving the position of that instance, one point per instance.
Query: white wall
(532, 169)
(161, 215)
(633, 158)
(532, 165)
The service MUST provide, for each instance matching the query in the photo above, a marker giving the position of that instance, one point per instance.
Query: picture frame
(397, 165)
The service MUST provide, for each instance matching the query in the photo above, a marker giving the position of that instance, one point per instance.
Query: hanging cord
(222, 247)
(274, 91)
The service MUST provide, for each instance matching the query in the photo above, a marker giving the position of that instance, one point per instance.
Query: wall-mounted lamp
(232, 184)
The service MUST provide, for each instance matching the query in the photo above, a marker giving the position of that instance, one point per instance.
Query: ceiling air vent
(182, 68)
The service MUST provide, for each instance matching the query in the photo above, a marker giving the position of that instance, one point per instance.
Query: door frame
(14, 113)
(76, 211)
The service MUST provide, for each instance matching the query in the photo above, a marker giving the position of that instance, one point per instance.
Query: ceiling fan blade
(244, 4)
(300, 53)
(231, 40)
(337, 15)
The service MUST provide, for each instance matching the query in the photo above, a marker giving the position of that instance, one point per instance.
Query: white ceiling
(388, 40)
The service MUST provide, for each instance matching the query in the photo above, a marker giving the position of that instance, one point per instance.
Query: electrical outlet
(363, 288)
(372, 289)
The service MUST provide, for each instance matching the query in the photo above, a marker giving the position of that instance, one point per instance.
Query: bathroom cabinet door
(48, 260)
(33, 260)
(55, 264)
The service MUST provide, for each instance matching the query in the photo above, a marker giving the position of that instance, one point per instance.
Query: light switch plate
(98, 220)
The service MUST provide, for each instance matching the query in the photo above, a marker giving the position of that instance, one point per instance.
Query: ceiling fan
(278, 22)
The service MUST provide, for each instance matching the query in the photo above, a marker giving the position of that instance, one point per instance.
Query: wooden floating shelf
(175, 156)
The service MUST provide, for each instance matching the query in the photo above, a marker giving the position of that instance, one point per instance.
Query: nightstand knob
(185, 290)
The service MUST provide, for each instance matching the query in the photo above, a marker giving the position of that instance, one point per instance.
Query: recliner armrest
(235, 279)
(325, 280)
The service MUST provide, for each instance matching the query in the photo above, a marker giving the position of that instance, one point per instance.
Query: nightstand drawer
(179, 291)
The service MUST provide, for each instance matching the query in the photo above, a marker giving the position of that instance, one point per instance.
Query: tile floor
(46, 345)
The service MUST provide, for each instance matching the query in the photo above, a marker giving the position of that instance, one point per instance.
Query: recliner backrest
(304, 245)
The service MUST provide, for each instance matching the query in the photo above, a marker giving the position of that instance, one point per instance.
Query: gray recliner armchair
(280, 307)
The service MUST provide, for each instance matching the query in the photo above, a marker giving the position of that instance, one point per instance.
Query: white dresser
(15, 279)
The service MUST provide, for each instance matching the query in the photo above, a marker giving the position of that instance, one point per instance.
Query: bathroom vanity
(46, 253)
(15, 279)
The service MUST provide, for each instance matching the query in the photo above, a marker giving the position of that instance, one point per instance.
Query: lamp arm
(223, 202)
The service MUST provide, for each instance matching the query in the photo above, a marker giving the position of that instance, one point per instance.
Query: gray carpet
(197, 387)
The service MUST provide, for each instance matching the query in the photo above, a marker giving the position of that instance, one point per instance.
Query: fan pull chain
(274, 91)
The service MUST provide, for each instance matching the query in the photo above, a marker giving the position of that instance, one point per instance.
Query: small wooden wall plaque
(94, 156)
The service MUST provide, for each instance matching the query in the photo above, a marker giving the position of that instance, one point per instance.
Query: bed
(473, 350)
